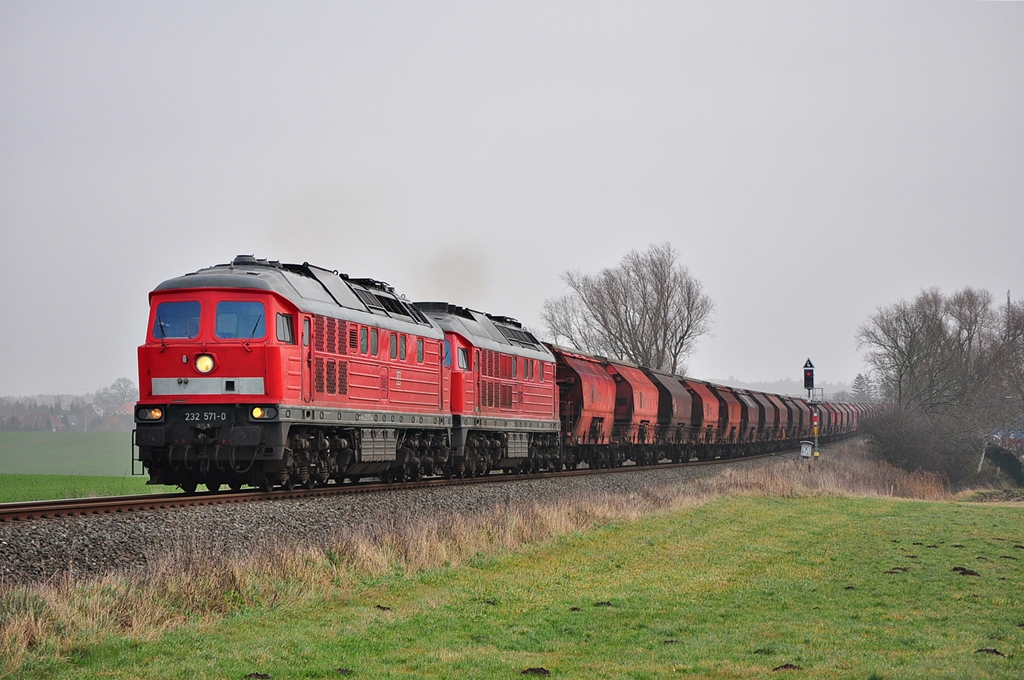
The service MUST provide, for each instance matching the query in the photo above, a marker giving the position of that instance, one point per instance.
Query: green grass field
(105, 454)
(841, 587)
(18, 488)
(47, 465)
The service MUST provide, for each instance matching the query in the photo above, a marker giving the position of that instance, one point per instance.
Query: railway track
(120, 504)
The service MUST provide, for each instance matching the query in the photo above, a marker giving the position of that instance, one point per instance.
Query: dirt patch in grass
(995, 496)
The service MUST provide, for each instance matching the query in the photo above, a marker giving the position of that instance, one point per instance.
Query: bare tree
(648, 310)
(952, 369)
(121, 391)
(1013, 349)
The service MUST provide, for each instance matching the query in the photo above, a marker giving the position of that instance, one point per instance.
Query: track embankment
(133, 531)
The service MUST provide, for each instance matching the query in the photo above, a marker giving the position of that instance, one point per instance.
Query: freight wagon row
(612, 412)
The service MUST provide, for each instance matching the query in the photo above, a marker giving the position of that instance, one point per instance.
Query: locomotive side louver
(332, 376)
(319, 375)
(342, 377)
(318, 334)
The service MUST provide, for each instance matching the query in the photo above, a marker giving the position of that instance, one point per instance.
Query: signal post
(809, 386)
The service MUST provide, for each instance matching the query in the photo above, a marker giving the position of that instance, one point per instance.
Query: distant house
(42, 422)
(122, 419)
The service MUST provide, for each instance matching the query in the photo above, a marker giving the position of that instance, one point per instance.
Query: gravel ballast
(38, 550)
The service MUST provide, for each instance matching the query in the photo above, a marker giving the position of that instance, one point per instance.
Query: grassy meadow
(731, 577)
(48, 465)
(19, 488)
(101, 454)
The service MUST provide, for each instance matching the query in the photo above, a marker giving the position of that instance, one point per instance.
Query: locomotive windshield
(176, 320)
(242, 320)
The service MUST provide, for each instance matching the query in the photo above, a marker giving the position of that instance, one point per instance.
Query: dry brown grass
(53, 619)
(848, 469)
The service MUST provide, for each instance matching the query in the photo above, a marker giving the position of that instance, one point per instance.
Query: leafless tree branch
(953, 369)
(648, 310)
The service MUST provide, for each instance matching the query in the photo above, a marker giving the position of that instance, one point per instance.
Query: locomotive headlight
(257, 412)
(150, 414)
(204, 363)
(260, 413)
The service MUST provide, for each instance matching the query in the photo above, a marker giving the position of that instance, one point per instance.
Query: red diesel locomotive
(264, 374)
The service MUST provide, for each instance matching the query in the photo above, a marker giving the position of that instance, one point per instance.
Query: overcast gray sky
(810, 161)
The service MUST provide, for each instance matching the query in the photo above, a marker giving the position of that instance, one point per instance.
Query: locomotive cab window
(464, 358)
(240, 320)
(176, 320)
(285, 329)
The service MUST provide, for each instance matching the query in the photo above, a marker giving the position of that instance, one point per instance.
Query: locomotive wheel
(189, 486)
(288, 484)
(354, 479)
(309, 483)
(213, 487)
(235, 486)
(266, 485)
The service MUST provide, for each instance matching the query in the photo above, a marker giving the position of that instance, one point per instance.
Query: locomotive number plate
(206, 416)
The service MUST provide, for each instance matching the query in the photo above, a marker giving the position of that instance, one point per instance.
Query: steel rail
(120, 504)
